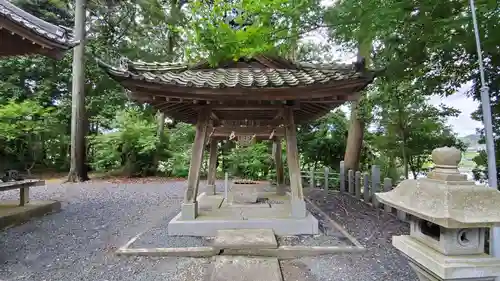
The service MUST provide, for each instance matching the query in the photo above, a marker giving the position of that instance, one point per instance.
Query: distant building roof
(22, 33)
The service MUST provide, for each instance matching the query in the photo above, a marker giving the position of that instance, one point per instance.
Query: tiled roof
(301, 74)
(57, 34)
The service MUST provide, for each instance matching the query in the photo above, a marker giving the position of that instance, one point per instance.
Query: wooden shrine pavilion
(262, 97)
(23, 34)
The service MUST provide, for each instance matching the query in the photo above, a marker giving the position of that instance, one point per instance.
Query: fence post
(375, 185)
(366, 187)
(311, 178)
(387, 187)
(226, 184)
(342, 176)
(357, 184)
(350, 181)
(326, 179)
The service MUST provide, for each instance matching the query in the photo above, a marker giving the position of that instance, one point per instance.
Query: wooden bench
(24, 188)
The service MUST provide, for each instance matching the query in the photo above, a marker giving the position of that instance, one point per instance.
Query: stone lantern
(449, 219)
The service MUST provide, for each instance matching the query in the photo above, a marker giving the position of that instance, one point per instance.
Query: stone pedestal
(189, 211)
(450, 217)
(299, 209)
(211, 189)
(280, 189)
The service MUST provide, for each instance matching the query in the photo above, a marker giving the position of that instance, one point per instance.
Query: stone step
(245, 239)
(240, 268)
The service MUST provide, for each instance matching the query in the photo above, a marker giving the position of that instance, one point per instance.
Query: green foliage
(181, 140)
(430, 44)
(216, 32)
(252, 162)
(19, 120)
(424, 48)
(24, 126)
(408, 127)
(131, 146)
(322, 142)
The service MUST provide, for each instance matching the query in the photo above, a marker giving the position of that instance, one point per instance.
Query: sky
(463, 124)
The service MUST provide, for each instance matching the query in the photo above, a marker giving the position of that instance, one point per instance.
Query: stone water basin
(245, 191)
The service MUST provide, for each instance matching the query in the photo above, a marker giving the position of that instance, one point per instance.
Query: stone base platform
(12, 214)
(431, 265)
(272, 213)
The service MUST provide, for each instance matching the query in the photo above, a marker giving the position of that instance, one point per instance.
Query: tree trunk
(159, 133)
(405, 157)
(356, 131)
(78, 169)
(354, 139)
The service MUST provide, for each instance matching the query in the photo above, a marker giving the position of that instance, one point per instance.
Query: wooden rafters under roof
(22, 34)
(250, 92)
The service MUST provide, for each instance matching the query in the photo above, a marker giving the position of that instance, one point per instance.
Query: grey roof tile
(301, 74)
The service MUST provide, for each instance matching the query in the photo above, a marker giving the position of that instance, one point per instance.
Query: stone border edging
(194, 252)
(336, 225)
(282, 252)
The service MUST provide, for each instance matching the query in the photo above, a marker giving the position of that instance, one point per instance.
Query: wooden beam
(261, 131)
(246, 107)
(260, 135)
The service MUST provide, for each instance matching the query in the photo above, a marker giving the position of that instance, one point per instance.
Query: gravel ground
(374, 230)
(329, 235)
(157, 237)
(79, 242)
(98, 217)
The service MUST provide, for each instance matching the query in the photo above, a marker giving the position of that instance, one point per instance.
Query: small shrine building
(263, 97)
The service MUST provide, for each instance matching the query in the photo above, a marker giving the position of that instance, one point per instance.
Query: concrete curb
(27, 214)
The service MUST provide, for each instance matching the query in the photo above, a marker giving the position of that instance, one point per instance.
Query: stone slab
(227, 268)
(276, 213)
(209, 225)
(12, 214)
(220, 214)
(245, 239)
(447, 267)
(256, 205)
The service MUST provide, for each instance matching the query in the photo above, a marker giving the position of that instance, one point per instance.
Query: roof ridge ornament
(123, 63)
(360, 64)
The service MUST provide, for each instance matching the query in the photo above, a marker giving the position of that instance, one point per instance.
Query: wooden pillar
(278, 161)
(212, 167)
(189, 209)
(292, 153)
